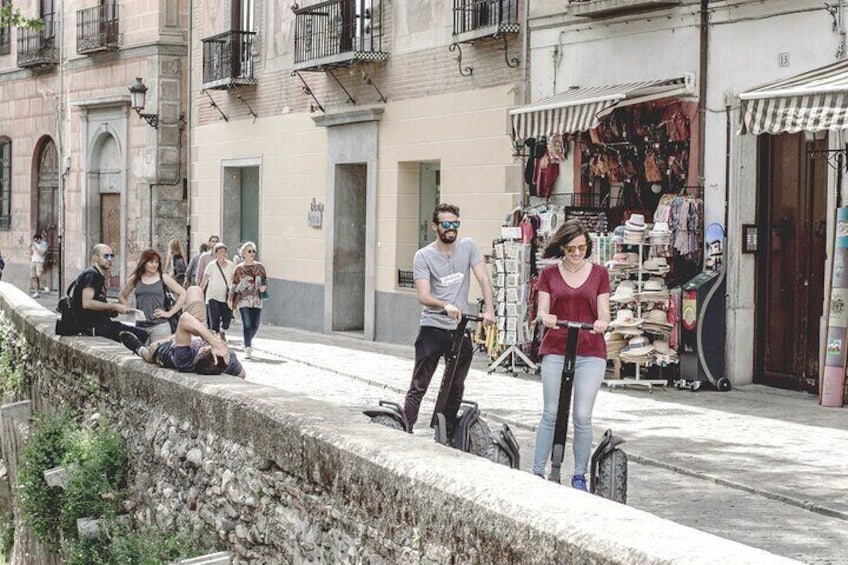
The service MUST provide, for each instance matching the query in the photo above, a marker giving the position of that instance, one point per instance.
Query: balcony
(97, 29)
(607, 8)
(338, 33)
(478, 19)
(228, 60)
(38, 48)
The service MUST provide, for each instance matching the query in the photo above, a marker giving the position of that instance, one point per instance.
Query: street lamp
(138, 92)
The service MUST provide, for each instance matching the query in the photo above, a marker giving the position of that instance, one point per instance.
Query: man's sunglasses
(108, 255)
(573, 248)
(446, 225)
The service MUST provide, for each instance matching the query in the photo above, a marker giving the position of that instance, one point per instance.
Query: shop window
(5, 183)
(419, 191)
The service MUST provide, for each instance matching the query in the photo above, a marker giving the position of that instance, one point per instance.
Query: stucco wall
(284, 479)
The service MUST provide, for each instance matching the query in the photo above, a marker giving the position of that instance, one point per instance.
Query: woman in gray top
(150, 283)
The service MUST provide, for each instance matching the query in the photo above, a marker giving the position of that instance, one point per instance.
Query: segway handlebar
(570, 324)
(469, 317)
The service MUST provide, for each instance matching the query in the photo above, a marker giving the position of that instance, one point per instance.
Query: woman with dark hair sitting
(576, 290)
(150, 285)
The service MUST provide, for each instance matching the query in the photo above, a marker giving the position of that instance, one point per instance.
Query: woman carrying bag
(151, 288)
(217, 281)
(249, 285)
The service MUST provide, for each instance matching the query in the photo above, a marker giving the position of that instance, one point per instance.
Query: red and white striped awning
(813, 101)
(578, 109)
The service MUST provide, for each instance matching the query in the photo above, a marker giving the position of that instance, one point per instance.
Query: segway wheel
(612, 477)
(497, 454)
(479, 438)
(723, 384)
(386, 420)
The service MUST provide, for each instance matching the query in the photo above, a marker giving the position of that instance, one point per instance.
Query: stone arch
(46, 202)
(106, 172)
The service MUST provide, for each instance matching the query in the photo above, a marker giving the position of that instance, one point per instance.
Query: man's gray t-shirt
(449, 278)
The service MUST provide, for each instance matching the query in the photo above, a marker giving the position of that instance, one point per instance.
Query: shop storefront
(800, 318)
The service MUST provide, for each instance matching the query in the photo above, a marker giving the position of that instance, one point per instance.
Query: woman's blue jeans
(250, 323)
(588, 376)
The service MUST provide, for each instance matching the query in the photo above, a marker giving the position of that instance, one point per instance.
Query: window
(5, 183)
(5, 33)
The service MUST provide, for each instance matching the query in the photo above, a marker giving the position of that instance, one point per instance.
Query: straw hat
(624, 318)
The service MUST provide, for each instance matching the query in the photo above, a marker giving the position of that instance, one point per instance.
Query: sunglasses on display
(446, 225)
(573, 248)
(108, 256)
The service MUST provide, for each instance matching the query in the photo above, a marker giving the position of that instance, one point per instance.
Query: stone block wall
(286, 479)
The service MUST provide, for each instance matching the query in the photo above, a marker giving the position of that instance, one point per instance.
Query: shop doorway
(429, 182)
(240, 207)
(349, 225)
(790, 265)
(48, 208)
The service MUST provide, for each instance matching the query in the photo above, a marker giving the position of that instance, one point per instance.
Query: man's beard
(447, 237)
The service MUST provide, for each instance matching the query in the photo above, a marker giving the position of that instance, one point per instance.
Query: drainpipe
(702, 88)
(525, 52)
(61, 149)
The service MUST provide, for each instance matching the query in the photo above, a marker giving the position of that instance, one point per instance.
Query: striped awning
(577, 109)
(813, 101)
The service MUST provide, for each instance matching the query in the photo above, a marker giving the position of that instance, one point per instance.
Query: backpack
(67, 324)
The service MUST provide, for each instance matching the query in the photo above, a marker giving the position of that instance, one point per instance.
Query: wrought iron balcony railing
(338, 33)
(607, 8)
(38, 48)
(492, 16)
(228, 60)
(97, 28)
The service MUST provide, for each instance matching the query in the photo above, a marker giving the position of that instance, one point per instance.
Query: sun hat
(625, 318)
(661, 346)
(636, 221)
(654, 285)
(639, 345)
(660, 228)
(656, 265)
(656, 316)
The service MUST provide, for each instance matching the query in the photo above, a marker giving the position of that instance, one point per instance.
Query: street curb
(804, 504)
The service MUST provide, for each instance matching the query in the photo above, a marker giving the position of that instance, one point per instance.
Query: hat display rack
(639, 300)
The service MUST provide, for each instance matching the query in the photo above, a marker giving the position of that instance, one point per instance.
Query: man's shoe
(131, 342)
(579, 482)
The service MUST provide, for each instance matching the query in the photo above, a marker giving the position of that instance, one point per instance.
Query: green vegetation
(13, 355)
(11, 16)
(98, 468)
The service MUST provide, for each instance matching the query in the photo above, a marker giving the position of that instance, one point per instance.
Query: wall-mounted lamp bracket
(369, 81)
(350, 99)
(215, 105)
(308, 91)
(466, 72)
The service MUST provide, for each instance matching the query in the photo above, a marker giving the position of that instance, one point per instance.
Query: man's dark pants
(430, 346)
(111, 329)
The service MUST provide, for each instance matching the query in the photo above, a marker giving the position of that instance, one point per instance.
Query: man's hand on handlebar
(489, 318)
(453, 312)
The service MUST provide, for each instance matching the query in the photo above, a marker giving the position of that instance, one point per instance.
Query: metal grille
(110, 234)
(334, 27)
(469, 15)
(97, 28)
(405, 279)
(229, 56)
(38, 48)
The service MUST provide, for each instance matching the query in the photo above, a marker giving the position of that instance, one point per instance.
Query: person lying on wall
(193, 348)
(90, 313)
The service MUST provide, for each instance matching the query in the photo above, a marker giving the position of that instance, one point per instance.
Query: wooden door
(110, 233)
(790, 263)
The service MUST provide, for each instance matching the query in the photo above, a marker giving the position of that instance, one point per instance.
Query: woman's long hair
(565, 233)
(146, 256)
(175, 247)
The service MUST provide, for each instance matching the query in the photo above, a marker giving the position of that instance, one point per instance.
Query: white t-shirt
(36, 256)
(217, 288)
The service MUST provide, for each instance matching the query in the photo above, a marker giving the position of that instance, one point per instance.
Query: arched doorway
(48, 208)
(105, 179)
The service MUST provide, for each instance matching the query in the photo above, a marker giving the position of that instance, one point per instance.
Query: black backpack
(68, 318)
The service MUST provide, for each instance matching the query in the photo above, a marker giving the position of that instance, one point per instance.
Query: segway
(608, 465)
(470, 434)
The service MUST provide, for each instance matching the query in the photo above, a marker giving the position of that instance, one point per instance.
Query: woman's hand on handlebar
(548, 320)
(600, 326)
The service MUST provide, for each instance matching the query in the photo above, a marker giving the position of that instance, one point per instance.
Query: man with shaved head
(92, 312)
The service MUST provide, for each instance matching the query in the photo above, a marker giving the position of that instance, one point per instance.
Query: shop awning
(577, 109)
(813, 101)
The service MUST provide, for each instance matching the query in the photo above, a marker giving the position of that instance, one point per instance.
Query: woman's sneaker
(248, 353)
(579, 482)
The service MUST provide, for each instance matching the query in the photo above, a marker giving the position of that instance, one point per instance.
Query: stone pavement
(757, 465)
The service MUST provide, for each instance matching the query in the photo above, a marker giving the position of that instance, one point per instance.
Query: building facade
(78, 164)
(776, 185)
(326, 132)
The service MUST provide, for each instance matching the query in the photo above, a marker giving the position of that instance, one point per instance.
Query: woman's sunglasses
(573, 248)
(446, 225)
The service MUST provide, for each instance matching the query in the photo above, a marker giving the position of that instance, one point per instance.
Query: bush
(40, 504)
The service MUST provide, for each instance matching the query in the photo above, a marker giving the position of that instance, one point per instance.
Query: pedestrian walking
(150, 286)
(38, 254)
(191, 271)
(442, 280)
(250, 282)
(576, 290)
(217, 280)
(175, 261)
(205, 258)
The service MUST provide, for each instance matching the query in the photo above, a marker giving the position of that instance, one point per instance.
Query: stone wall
(285, 479)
